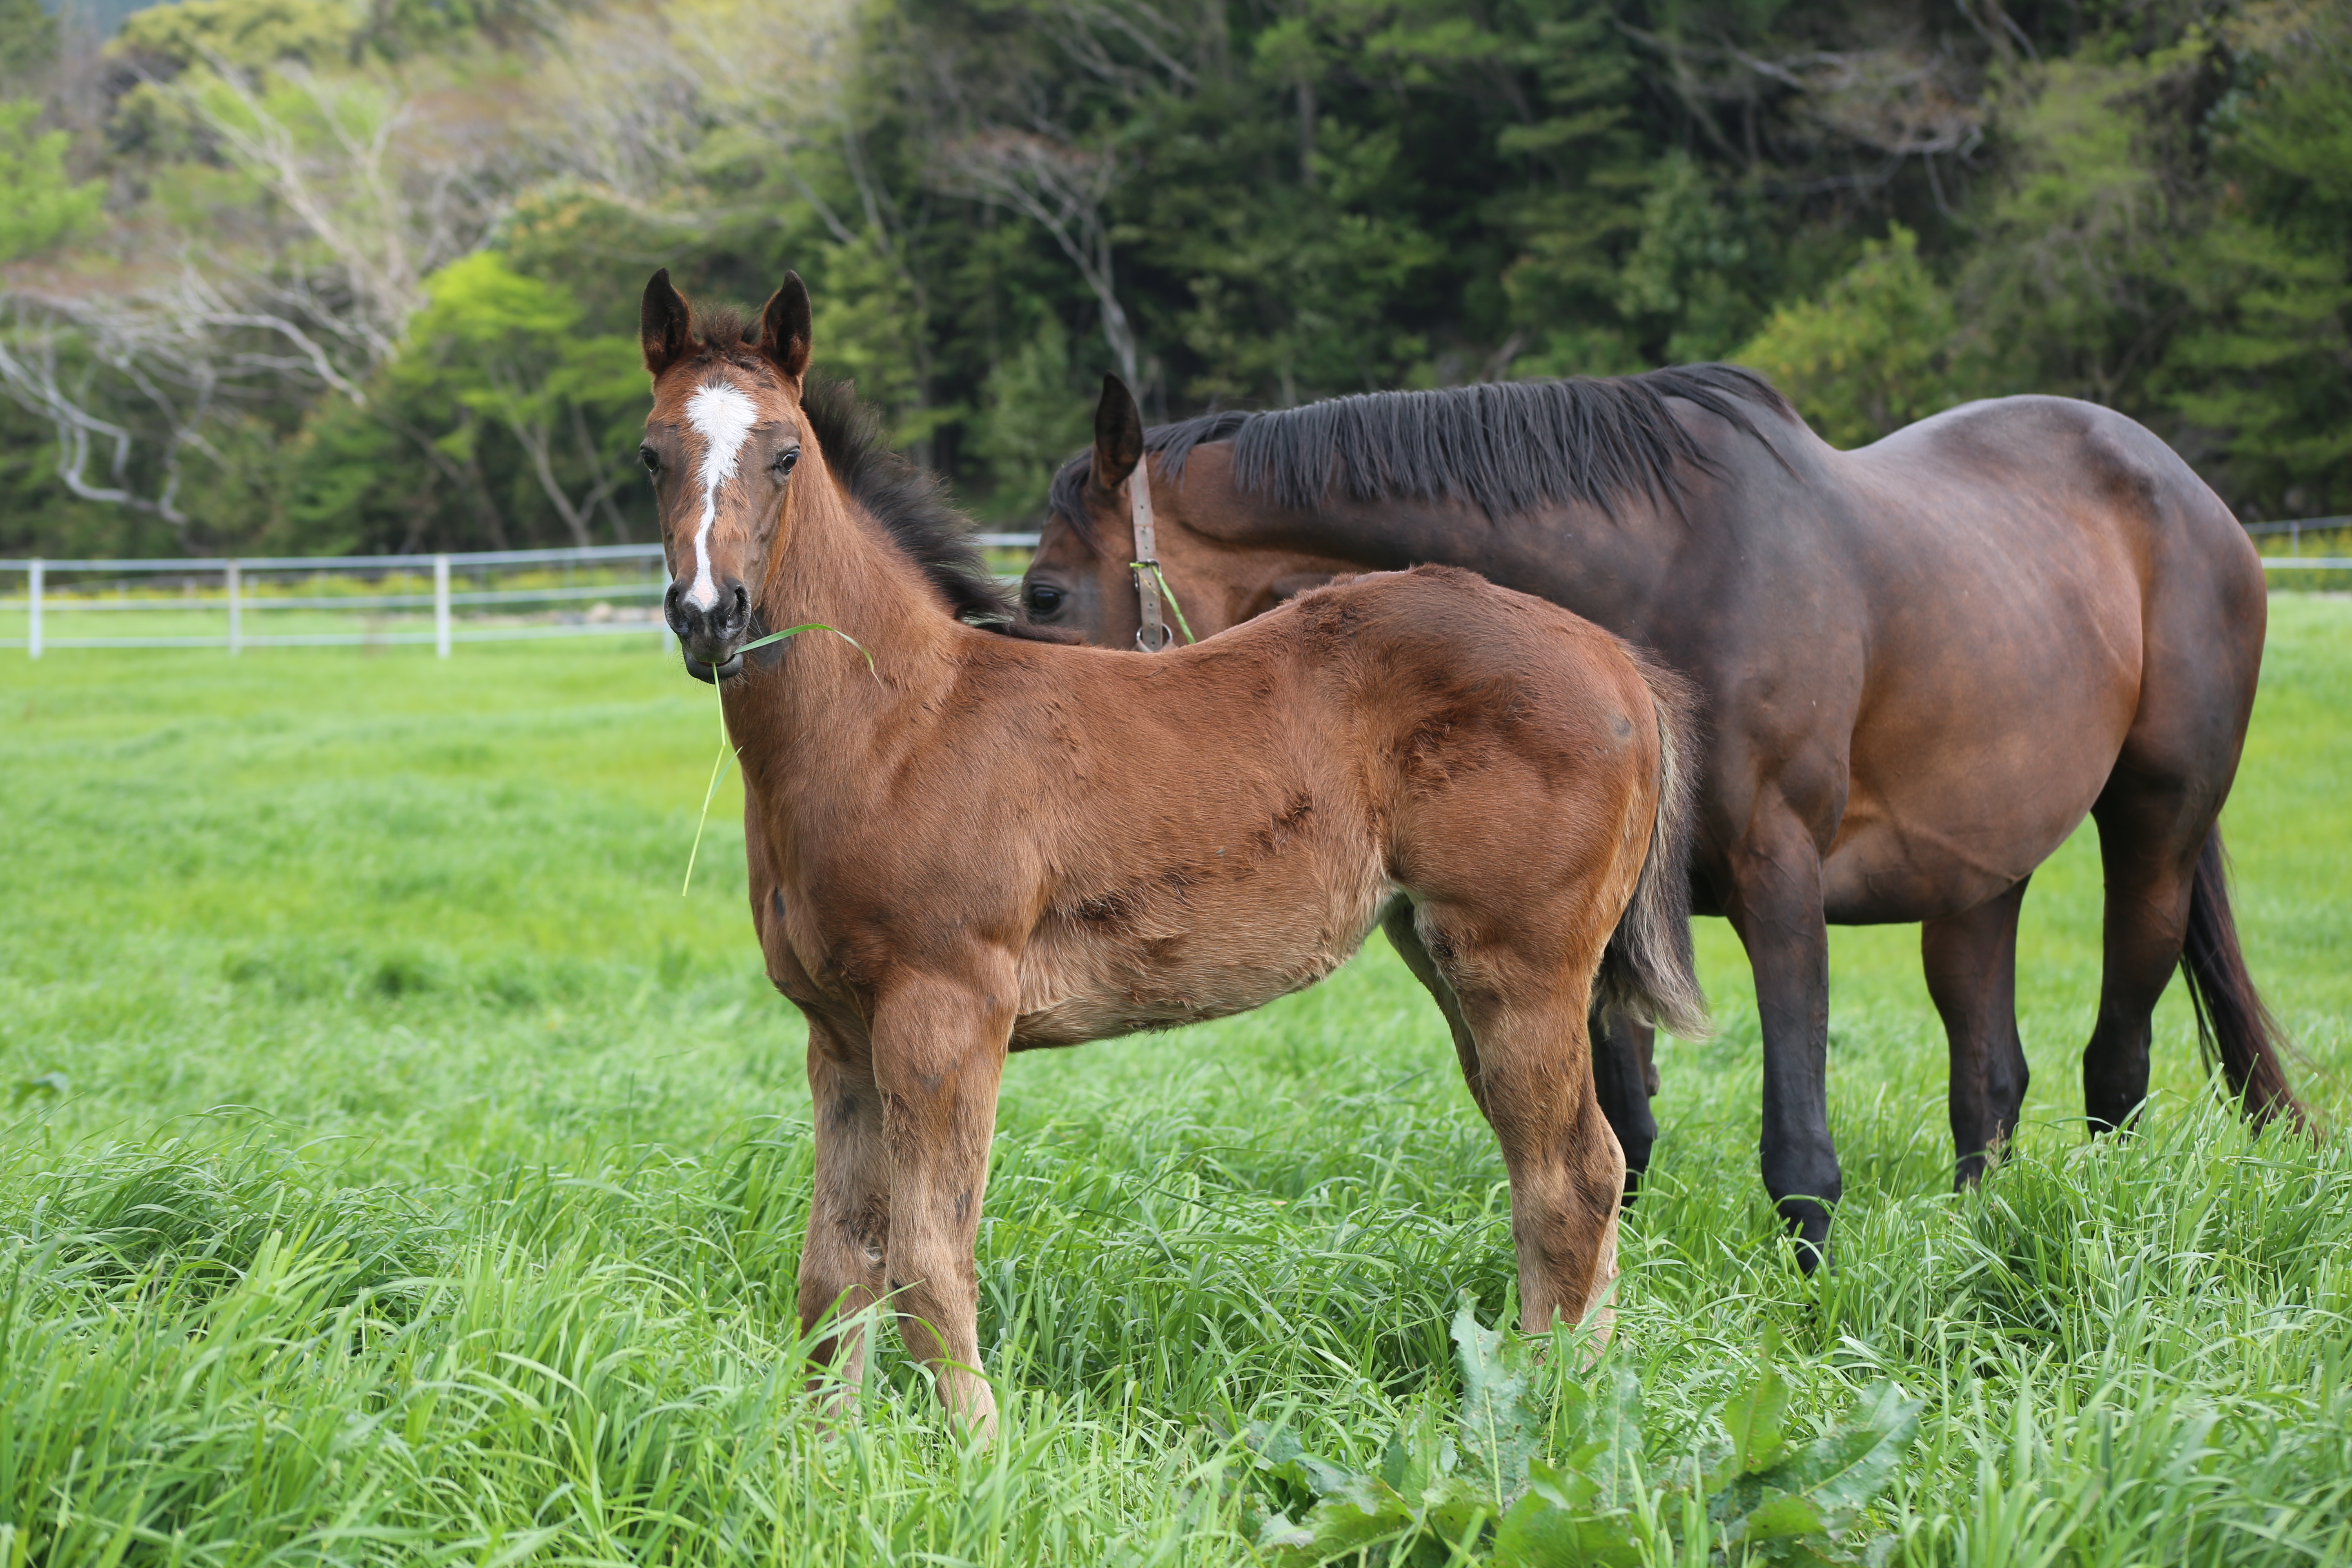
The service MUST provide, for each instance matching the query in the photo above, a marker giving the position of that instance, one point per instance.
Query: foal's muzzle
(710, 638)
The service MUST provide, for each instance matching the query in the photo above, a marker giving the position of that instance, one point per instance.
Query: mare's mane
(1505, 446)
(911, 503)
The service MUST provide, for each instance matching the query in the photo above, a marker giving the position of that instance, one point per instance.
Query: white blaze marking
(723, 418)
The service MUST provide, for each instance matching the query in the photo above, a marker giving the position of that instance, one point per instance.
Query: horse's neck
(826, 704)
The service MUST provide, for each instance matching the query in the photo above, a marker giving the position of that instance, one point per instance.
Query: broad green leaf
(1415, 1460)
(1278, 1533)
(1360, 1513)
(1271, 1445)
(1456, 1506)
(1756, 1418)
(1833, 1476)
(1501, 1426)
(1616, 1428)
(1783, 1515)
(1553, 1525)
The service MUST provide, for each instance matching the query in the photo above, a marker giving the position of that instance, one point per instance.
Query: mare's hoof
(1808, 1228)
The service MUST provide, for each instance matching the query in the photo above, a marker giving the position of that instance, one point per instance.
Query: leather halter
(1152, 633)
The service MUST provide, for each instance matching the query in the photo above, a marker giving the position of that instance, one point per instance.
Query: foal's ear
(784, 328)
(665, 324)
(1118, 435)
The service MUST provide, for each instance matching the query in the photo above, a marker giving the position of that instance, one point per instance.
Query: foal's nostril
(673, 609)
(739, 610)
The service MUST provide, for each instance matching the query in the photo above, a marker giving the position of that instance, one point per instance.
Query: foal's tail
(2231, 1022)
(1647, 972)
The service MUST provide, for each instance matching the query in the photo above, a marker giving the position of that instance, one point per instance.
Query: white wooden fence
(492, 595)
(602, 591)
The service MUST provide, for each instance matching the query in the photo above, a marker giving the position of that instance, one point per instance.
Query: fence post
(235, 610)
(33, 602)
(441, 606)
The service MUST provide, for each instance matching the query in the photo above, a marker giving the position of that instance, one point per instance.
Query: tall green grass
(394, 1168)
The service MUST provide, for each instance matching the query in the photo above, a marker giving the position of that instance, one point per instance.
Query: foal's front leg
(939, 1055)
(849, 1211)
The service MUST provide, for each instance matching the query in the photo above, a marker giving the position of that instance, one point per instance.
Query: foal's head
(725, 434)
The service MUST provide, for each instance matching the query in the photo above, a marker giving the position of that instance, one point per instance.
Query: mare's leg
(1775, 907)
(1399, 925)
(849, 1212)
(1526, 1010)
(1624, 1077)
(2150, 830)
(1972, 964)
(939, 1055)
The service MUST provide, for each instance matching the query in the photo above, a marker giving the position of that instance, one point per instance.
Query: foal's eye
(650, 458)
(785, 460)
(1044, 599)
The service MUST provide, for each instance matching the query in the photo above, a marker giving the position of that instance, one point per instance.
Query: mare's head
(722, 441)
(1079, 579)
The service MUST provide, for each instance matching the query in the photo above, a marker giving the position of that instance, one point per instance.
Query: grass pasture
(394, 1167)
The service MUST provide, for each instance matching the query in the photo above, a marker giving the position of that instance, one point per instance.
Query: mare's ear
(785, 334)
(1118, 435)
(665, 324)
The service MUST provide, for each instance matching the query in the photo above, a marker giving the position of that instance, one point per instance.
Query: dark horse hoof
(1809, 1227)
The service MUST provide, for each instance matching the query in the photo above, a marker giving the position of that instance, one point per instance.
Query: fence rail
(228, 592)
(240, 587)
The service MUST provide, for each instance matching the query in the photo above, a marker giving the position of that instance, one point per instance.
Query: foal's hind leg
(1972, 964)
(1622, 1068)
(1399, 925)
(849, 1211)
(1526, 1010)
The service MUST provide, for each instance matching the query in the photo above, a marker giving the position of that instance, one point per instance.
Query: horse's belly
(1177, 953)
(1963, 821)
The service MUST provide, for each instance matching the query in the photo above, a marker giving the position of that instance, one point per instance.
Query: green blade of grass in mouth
(718, 764)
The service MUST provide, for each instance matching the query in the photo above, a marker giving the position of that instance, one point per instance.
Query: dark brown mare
(983, 842)
(1920, 663)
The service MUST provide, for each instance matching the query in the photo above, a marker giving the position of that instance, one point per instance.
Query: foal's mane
(1505, 446)
(911, 503)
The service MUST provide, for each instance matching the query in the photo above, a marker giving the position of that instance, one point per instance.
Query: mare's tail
(2231, 1022)
(1647, 972)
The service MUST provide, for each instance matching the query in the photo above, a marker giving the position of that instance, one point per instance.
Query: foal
(983, 843)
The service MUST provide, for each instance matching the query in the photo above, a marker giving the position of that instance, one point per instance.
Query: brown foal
(984, 843)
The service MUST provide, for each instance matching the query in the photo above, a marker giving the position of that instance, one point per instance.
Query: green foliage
(1892, 208)
(28, 41)
(1034, 415)
(248, 33)
(1870, 355)
(41, 206)
(1441, 1496)
(513, 351)
(2266, 361)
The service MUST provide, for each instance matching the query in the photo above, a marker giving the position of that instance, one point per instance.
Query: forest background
(317, 276)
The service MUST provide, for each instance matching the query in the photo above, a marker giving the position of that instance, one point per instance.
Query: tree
(1871, 353)
(511, 350)
(41, 206)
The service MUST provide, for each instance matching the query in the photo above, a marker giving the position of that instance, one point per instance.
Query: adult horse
(1922, 663)
(972, 842)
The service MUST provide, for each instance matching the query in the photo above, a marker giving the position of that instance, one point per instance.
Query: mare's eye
(650, 458)
(1044, 599)
(786, 458)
